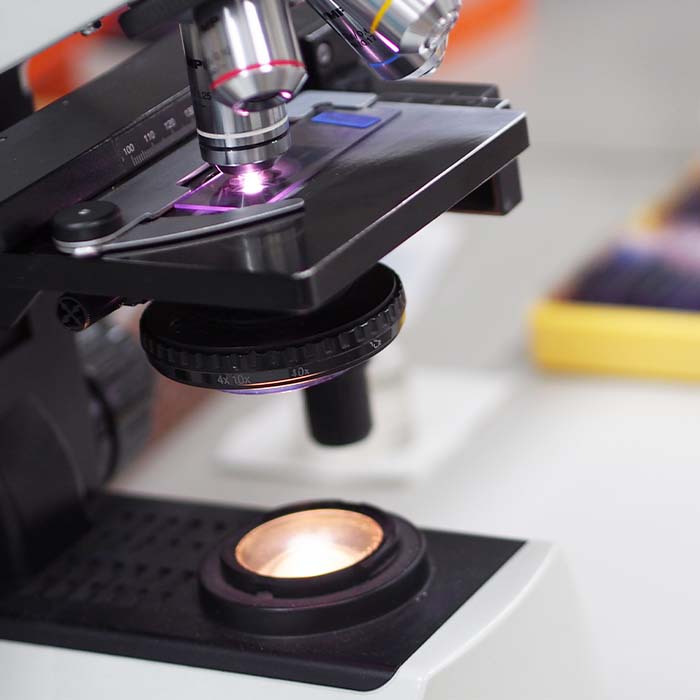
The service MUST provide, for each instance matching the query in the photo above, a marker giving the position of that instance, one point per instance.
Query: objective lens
(230, 137)
(244, 65)
(398, 38)
(309, 543)
(250, 52)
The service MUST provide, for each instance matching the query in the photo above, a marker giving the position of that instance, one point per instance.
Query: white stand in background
(421, 417)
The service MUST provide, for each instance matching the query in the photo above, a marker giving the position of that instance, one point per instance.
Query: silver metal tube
(244, 65)
(397, 38)
(230, 136)
(250, 51)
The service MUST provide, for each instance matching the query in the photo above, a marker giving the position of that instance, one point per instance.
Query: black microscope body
(371, 164)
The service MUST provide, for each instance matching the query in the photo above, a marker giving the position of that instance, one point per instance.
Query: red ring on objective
(233, 73)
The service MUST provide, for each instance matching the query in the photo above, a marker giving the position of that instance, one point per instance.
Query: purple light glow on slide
(251, 182)
(201, 208)
(388, 43)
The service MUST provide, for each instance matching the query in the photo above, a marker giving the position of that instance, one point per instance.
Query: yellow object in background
(595, 338)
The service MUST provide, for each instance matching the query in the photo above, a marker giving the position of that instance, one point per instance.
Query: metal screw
(72, 314)
(91, 28)
(324, 54)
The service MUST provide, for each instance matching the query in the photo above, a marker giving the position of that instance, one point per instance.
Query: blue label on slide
(355, 121)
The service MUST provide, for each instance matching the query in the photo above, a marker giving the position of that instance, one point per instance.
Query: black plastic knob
(85, 222)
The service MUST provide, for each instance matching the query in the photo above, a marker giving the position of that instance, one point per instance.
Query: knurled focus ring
(241, 351)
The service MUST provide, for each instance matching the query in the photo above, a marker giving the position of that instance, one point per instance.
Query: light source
(309, 543)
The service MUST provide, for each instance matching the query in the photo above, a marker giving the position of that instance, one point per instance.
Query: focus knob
(253, 352)
(121, 385)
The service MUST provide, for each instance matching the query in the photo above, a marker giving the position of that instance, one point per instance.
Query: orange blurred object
(479, 18)
(56, 71)
(51, 73)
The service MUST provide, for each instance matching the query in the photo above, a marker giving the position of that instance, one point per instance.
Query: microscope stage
(425, 156)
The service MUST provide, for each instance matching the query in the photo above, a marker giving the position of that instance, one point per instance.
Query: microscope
(243, 175)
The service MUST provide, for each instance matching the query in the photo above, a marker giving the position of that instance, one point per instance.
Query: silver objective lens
(397, 38)
(244, 64)
(251, 51)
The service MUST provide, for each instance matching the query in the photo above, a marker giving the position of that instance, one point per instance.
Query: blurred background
(543, 400)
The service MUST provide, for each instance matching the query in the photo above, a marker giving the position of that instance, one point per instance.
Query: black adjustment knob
(121, 384)
(254, 352)
(86, 222)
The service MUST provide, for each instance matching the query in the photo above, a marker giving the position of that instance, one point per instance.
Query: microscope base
(484, 650)
(129, 585)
